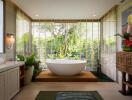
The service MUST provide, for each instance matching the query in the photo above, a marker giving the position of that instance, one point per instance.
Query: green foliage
(22, 43)
(109, 41)
(37, 69)
(25, 37)
(29, 60)
(20, 58)
(70, 43)
(126, 36)
(65, 46)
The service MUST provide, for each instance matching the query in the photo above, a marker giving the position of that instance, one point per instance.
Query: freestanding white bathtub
(65, 67)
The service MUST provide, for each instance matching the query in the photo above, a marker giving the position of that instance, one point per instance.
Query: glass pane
(22, 34)
(66, 41)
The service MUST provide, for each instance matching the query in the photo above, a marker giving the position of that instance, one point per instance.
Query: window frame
(4, 43)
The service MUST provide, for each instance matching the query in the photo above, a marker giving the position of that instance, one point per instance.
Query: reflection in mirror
(1, 27)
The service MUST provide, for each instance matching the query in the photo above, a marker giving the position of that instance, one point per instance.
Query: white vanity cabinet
(9, 83)
(12, 82)
(9, 80)
(2, 86)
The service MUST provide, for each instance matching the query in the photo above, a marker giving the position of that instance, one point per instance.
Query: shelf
(128, 84)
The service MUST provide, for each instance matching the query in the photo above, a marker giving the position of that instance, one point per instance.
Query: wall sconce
(10, 40)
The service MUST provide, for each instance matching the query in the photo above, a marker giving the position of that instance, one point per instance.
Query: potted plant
(126, 41)
(29, 66)
(37, 69)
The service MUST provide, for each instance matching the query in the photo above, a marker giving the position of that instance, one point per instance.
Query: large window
(23, 37)
(66, 41)
(109, 30)
(1, 26)
(108, 41)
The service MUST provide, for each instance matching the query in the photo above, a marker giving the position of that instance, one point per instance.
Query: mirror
(1, 27)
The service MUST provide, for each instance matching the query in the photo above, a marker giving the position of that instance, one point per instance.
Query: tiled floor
(108, 90)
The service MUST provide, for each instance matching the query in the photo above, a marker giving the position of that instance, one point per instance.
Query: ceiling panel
(66, 9)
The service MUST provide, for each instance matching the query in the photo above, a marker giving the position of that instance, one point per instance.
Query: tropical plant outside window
(66, 41)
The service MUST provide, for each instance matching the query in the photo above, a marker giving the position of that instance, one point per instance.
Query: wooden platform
(47, 76)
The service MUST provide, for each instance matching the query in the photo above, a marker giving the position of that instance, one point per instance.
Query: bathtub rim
(52, 61)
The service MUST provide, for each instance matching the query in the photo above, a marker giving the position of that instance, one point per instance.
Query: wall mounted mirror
(1, 26)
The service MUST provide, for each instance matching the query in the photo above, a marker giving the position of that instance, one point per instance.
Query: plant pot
(28, 75)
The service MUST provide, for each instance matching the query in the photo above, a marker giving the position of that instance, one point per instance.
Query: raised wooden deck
(47, 76)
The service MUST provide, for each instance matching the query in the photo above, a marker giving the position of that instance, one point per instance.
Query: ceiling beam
(65, 20)
(114, 7)
(17, 7)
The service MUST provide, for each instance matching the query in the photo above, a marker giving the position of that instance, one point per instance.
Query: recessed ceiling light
(37, 15)
(94, 15)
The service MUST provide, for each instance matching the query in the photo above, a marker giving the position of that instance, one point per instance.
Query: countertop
(9, 65)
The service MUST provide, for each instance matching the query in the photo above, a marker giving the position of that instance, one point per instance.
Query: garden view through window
(69, 40)
(79, 41)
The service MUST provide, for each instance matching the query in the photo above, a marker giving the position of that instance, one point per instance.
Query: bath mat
(68, 95)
